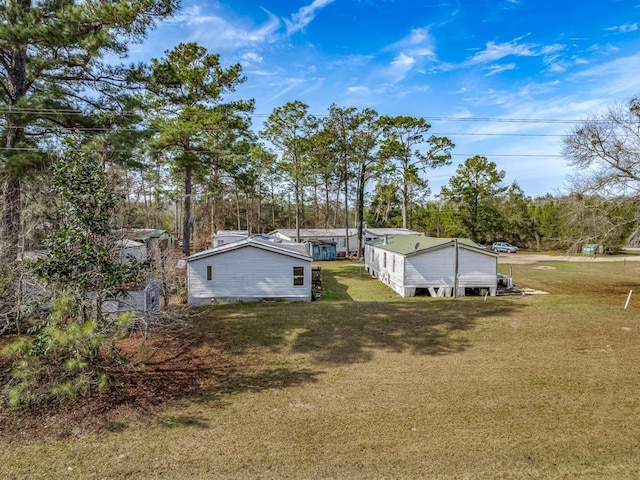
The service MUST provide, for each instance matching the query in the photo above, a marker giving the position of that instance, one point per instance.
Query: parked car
(504, 247)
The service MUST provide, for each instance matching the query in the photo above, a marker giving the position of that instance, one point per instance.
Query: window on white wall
(393, 263)
(384, 260)
(298, 276)
(209, 272)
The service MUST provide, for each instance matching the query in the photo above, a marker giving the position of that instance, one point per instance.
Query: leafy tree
(385, 208)
(51, 74)
(545, 215)
(341, 125)
(83, 258)
(366, 162)
(290, 129)
(404, 145)
(323, 169)
(351, 138)
(474, 189)
(195, 128)
(518, 225)
(70, 352)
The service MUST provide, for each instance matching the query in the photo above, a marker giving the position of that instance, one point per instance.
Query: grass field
(364, 384)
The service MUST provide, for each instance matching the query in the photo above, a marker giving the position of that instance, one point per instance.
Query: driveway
(521, 258)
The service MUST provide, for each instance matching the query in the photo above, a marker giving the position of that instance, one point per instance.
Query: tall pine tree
(52, 74)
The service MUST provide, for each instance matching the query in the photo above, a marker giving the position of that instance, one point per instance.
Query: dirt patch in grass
(187, 364)
(163, 368)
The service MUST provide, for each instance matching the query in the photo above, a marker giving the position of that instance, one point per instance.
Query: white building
(223, 237)
(411, 264)
(339, 236)
(255, 268)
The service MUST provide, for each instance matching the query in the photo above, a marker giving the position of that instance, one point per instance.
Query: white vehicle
(504, 247)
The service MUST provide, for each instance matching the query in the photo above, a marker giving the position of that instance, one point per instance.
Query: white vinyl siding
(430, 269)
(433, 268)
(476, 270)
(248, 273)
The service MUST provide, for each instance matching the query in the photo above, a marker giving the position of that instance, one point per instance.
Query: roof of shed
(408, 244)
(142, 233)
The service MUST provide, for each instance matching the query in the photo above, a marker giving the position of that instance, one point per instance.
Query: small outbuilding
(256, 268)
(416, 264)
(323, 250)
(155, 241)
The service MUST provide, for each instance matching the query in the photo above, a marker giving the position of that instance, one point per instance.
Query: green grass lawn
(365, 384)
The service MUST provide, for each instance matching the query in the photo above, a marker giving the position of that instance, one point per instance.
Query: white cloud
(419, 43)
(359, 90)
(190, 16)
(251, 58)
(614, 79)
(215, 30)
(401, 65)
(284, 86)
(497, 51)
(305, 16)
(495, 69)
(625, 28)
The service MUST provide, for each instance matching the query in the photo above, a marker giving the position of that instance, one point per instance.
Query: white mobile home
(411, 264)
(223, 237)
(337, 235)
(256, 268)
(373, 233)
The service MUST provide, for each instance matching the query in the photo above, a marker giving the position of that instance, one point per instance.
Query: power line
(34, 149)
(4, 109)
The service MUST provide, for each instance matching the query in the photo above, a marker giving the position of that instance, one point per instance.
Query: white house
(411, 264)
(338, 235)
(373, 233)
(222, 237)
(255, 268)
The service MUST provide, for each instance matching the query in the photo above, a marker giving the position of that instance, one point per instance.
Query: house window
(209, 272)
(384, 260)
(393, 263)
(298, 276)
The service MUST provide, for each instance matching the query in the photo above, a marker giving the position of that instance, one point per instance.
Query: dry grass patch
(356, 387)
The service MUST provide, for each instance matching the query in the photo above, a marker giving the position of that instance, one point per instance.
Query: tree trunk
(296, 189)
(405, 201)
(327, 202)
(16, 88)
(346, 207)
(360, 208)
(186, 224)
(11, 218)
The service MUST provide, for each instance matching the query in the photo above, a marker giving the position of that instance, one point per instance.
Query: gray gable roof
(263, 242)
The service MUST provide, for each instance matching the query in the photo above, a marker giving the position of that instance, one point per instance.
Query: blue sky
(502, 78)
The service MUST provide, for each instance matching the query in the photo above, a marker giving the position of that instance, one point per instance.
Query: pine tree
(52, 75)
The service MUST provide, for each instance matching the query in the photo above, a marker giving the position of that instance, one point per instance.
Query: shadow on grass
(347, 332)
(230, 349)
